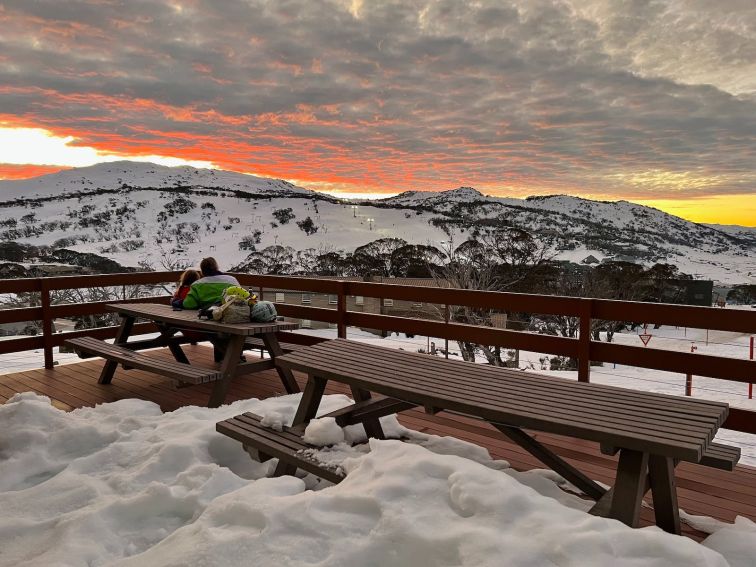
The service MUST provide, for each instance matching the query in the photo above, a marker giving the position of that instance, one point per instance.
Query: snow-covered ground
(123, 484)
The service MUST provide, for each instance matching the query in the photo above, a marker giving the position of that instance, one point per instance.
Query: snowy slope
(114, 175)
(109, 208)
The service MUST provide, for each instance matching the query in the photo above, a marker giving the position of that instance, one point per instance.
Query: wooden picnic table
(169, 322)
(652, 432)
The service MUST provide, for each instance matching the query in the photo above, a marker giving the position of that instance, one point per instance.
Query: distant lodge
(371, 305)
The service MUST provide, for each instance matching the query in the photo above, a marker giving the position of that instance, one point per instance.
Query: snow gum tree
(500, 259)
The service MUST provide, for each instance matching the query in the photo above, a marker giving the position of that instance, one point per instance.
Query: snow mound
(322, 432)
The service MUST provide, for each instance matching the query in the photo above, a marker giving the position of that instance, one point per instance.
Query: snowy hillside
(136, 213)
(114, 175)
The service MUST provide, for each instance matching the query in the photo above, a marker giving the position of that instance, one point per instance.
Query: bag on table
(234, 307)
(263, 312)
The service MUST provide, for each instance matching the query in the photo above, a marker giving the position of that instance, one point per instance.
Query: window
(359, 300)
(280, 297)
(306, 298)
(388, 302)
(306, 324)
(333, 299)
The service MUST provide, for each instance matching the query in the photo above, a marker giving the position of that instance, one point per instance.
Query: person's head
(189, 277)
(209, 266)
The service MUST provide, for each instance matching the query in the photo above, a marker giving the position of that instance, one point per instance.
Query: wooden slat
(187, 319)
(257, 343)
(385, 371)
(721, 456)
(440, 387)
(18, 314)
(282, 445)
(484, 378)
(547, 418)
(534, 380)
(171, 369)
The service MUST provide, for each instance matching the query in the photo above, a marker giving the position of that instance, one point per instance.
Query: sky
(652, 101)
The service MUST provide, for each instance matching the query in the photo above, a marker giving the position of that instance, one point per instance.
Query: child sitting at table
(184, 284)
(208, 291)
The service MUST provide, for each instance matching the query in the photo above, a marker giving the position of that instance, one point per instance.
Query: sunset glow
(37, 147)
(509, 98)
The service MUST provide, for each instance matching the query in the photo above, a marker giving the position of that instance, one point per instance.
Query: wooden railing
(582, 348)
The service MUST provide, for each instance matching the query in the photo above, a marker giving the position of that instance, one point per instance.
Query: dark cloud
(595, 96)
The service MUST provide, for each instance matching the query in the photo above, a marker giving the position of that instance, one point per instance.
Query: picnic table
(169, 323)
(651, 432)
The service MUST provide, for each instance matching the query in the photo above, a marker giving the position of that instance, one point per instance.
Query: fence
(582, 348)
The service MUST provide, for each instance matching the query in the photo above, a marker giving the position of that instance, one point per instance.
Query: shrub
(283, 216)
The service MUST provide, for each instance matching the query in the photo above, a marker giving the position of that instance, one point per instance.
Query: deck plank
(701, 490)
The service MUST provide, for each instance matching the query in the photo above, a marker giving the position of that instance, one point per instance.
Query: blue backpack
(263, 312)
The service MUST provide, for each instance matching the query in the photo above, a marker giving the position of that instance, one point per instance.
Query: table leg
(310, 402)
(661, 472)
(373, 425)
(234, 350)
(629, 487)
(122, 336)
(307, 410)
(274, 350)
(166, 334)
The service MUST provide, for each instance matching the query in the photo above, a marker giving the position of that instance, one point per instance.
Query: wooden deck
(701, 490)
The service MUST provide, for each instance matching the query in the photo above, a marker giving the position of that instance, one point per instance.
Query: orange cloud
(14, 171)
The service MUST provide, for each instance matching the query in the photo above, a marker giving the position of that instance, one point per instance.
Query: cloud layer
(647, 99)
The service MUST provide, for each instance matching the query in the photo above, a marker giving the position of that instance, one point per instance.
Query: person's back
(209, 288)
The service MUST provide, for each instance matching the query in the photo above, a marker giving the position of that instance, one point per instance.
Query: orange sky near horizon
(723, 209)
(514, 98)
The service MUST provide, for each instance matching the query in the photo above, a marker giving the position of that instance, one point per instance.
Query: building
(358, 303)
(688, 292)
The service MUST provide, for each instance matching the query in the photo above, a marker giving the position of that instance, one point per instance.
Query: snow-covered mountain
(142, 213)
(113, 175)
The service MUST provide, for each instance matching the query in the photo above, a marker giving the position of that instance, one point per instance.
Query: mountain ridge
(135, 212)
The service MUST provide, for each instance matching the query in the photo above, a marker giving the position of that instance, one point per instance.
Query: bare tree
(501, 259)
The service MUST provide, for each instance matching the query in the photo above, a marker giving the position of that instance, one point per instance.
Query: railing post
(341, 310)
(584, 341)
(446, 340)
(44, 296)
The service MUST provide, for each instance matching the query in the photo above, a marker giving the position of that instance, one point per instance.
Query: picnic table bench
(169, 322)
(651, 432)
(259, 344)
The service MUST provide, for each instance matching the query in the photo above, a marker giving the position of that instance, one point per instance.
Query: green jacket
(206, 291)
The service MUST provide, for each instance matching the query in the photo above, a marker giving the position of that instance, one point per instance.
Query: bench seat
(141, 344)
(720, 456)
(716, 456)
(283, 445)
(178, 371)
(257, 343)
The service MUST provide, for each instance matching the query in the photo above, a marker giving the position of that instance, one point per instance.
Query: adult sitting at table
(205, 292)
